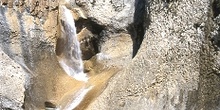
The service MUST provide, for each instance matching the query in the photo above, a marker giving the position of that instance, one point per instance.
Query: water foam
(70, 60)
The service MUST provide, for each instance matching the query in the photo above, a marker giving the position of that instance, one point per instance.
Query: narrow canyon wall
(177, 65)
(166, 52)
(28, 36)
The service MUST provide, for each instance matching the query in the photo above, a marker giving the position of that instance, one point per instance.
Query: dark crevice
(216, 41)
(25, 96)
(196, 25)
(216, 8)
(49, 105)
(94, 27)
(141, 21)
(92, 44)
(4, 3)
(53, 9)
(169, 1)
(215, 12)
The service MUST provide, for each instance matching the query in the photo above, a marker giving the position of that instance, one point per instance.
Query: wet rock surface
(160, 55)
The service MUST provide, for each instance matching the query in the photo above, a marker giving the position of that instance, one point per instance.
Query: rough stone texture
(176, 67)
(27, 38)
(12, 80)
(109, 12)
(117, 51)
(172, 69)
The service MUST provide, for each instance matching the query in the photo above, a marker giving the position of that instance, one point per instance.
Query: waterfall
(68, 47)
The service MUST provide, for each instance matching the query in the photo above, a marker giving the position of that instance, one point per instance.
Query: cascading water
(68, 47)
(69, 56)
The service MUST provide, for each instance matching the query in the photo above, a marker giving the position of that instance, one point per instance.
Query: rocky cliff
(139, 54)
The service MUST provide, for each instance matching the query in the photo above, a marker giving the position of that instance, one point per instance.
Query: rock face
(109, 12)
(167, 52)
(12, 83)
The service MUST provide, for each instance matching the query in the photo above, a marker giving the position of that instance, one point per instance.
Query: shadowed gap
(141, 21)
(216, 11)
(216, 8)
(94, 42)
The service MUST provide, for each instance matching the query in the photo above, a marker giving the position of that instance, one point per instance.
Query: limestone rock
(166, 72)
(174, 45)
(113, 13)
(12, 81)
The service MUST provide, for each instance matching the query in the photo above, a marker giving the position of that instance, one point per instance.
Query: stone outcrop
(12, 83)
(164, 54)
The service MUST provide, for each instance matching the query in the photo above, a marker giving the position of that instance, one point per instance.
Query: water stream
(68, 52)
(68, 48)
(69, 56)
(61, 85)
(72, 100)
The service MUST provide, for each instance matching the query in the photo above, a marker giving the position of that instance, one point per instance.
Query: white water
(70, 59)
(73, 100)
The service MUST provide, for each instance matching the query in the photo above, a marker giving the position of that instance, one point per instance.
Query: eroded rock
(176, 66)
(12, 81)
